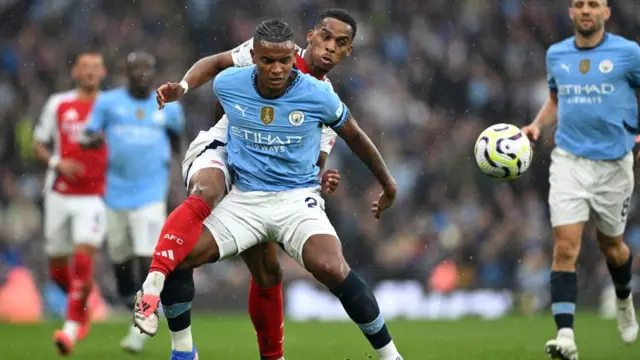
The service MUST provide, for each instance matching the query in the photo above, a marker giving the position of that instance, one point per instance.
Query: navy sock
(621, 276)
(176, 298)
(361, 306)
(125, 282)
(564, 293)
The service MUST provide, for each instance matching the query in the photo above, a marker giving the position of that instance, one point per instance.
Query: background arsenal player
(75, 216)
(206, 175)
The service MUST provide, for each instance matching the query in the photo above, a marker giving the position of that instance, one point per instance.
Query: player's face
(274, 62)
(589, 16)
(330, 42)
(88, 71)
(142, 73)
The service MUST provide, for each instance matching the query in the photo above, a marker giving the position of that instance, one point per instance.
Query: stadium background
(424, 79)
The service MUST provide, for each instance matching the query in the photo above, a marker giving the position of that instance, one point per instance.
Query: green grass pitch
(231, 337)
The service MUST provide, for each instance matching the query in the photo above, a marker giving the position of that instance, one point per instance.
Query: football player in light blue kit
(275, 124)
(592, 78)
(140, 139)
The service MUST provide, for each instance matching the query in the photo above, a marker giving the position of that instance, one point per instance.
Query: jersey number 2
(311, 202)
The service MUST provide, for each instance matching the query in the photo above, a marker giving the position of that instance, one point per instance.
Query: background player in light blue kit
(140, 139)
(592, 77)
(275, 123)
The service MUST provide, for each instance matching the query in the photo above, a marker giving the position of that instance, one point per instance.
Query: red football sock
(267, 315)
(60, 275)
(81, 282)
(180, 234)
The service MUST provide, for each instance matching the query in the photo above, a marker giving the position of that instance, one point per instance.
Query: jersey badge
(585, 65)
(140, 114)
(158, 118)
(267, 115)
(605, 66)
(296, 117)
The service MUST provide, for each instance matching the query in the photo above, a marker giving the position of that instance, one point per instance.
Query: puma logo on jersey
(239, 108)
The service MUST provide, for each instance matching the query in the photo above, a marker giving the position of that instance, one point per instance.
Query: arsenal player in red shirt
(74, 213)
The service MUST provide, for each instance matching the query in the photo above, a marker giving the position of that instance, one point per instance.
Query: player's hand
(532, 132)
(330, 181)
(70, 169)
(638, 142)
(385, 200)
(167, 93)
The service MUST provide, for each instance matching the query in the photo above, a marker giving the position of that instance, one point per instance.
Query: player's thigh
(209, 169)
(568, 192)
(237, 223)
(119, 242)
(262, 261)
(300, 218)
(612, 195)
(146, 225)
(57, 226)
(89, 221)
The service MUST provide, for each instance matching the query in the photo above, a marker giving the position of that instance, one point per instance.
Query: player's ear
(253, 56)
(350, 49)
(607, 13)
(310, 36)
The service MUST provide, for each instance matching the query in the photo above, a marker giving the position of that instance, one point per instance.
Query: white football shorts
(71, 220)
(581, 188)
(208, 150)
(134, 232)
(244, 219)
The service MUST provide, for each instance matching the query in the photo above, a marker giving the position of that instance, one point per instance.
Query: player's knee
(208, 184)
(329, 269)
(613, 248)
(179, 288)
(565, 252)
(86, 249)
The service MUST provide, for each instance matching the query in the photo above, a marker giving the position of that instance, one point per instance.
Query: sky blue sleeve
(634, 71)
(99, 118)
(550, 79)
(336, 112)
(176, 120)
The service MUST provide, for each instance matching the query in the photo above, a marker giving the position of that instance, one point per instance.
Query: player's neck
(313, 70)
(87, 94)
(589, 41)
(139, 93)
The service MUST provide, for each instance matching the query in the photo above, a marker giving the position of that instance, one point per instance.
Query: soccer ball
(503, 152)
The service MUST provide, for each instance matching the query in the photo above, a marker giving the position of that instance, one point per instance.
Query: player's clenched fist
(167, 93)
(70, 169)
(330, 181)
(385, 200)
(532, 132)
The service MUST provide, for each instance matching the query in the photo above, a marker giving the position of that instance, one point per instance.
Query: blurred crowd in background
(425, 78)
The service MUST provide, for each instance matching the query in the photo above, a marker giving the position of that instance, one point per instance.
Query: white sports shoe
(133, 343)
(563, 346)
(627, 322)
(145, 313)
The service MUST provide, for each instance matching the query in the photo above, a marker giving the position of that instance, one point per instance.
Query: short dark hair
(274, 31)
(90, 51)
(342, 15)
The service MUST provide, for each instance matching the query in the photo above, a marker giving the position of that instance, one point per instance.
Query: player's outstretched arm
(365, 149)
(202, 71)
